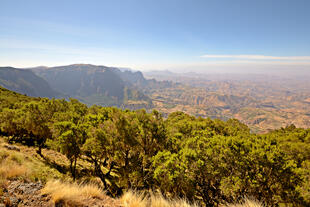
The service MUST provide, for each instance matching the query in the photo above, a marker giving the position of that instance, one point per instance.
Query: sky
(178, 35)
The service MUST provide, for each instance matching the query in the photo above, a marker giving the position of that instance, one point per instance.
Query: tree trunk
(100, 174)
(71, 168)
(126, 174)
(40, 146)
(39, 151)
(74, 168)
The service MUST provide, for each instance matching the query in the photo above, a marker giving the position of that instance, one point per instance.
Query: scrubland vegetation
(202, 161)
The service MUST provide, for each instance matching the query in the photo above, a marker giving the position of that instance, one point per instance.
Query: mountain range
(101, 85)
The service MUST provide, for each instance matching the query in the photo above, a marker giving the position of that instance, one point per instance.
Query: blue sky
(157, 34)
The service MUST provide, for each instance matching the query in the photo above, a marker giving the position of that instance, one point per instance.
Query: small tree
(10, 123)
(69, 138)
(36, 120)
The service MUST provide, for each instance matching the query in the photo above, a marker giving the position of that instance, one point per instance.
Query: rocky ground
(22, 193)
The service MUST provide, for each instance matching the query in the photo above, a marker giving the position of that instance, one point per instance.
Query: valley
(262, 102)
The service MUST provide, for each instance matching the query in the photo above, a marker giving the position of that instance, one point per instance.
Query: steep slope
(82, 80)
(92, 84)
(25, 82)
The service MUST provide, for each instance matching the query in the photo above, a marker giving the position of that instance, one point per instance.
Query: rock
(21, 193)
(11, 147)
(14, 201)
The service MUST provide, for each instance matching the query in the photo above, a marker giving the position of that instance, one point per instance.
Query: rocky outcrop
(22, 193)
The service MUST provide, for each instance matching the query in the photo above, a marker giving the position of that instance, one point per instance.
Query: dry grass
(135, 199)
(157, 200)
(25, 163)
(71, 194)
(11, 165)
(11, 171)
(245, 203)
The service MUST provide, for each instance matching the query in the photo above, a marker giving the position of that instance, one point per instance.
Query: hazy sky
(157, 34)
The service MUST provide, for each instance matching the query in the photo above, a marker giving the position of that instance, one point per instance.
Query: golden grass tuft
(71, 193)
(12, 170)
(245, 203)
(157, 200)
(135, 199)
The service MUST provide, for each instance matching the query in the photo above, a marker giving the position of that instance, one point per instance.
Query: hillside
(118, 150)
(27, 179)
(25, 82)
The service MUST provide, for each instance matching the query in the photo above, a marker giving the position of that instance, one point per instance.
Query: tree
(10, 124)
(105, 147)
(151, 138)
(36, 120)
(69, 138)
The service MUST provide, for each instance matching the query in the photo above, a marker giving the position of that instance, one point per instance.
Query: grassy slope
(26, 164)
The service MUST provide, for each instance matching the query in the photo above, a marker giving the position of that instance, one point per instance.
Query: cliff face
(83, 80)
(99, 85)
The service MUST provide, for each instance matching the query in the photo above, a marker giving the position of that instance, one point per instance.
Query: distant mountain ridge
(25, 82)
(91, 84)
(101, 85)
(82, 80)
